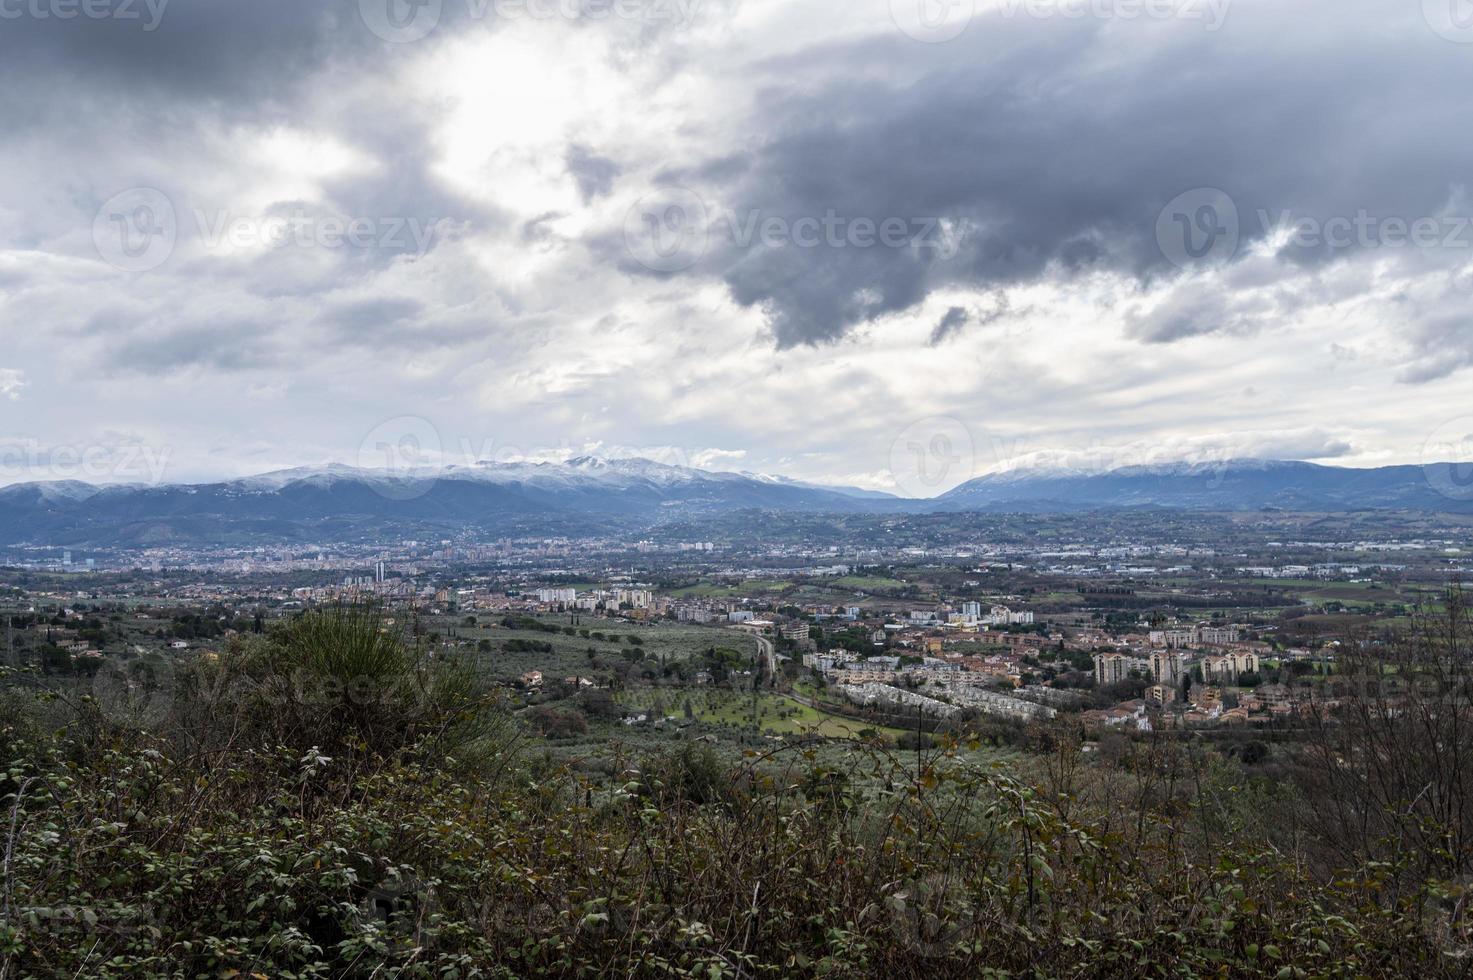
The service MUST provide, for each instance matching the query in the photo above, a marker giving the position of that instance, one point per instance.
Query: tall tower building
(1167, 666)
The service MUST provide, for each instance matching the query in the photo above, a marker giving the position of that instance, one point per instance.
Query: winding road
(767, 652)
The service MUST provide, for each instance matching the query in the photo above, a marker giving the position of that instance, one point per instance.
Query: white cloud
(528, 327)
(11, 383)
(718, 459)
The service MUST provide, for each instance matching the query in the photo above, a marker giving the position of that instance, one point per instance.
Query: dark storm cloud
(595, 174)
(1055, 160)
(955, 318)
(226, 347)
(815, 295)
(958, 318)
(244, 56)
(1444, 344)
(123, 103)
(239, 54)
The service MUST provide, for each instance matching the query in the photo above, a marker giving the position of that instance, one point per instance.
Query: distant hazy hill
(337, 502)
(1229, 485)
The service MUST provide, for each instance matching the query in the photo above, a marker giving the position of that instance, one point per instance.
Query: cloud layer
(753, 235)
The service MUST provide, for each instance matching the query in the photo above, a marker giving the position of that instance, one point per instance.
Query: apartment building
(1227, 667)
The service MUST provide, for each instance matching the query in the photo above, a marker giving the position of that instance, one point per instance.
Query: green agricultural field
(1307, 584)
(513, 652)
(1359, 591)
(869, 583)
(774, 713)
(708, 591)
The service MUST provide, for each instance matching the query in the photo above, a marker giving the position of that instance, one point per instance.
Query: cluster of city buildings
(1197, 676)
(1194, 636)
(1205, 654)
(926, 674)
(971, 614)
(597, 600)
(1208, 705)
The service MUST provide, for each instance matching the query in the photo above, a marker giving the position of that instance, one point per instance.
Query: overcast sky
(806, 237)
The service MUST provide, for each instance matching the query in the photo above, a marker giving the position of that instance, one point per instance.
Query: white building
(795, 631)
(1003, 616)
(634, 598)
(1167, 667)
(1111, 668)
(1227, 667)
(1190, 636)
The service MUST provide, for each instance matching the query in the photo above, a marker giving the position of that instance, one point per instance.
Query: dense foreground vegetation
(327, 800)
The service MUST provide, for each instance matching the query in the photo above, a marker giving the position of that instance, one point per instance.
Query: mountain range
(1229, 485)
(339, 502)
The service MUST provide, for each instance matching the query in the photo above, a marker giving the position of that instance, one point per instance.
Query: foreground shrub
(134, 866)
(244, 835)
(339, 680)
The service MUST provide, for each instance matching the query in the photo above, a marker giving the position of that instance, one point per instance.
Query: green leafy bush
(251, 834)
